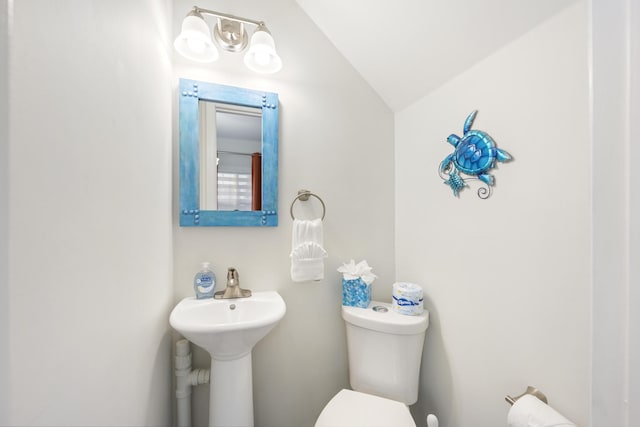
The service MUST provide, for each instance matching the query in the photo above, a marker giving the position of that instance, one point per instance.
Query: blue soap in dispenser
(205, 282)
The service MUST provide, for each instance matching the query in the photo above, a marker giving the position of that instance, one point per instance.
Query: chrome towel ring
(303, 195)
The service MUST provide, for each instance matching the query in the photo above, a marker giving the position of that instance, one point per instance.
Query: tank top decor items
(407, 298)
(474, 155)
(356, 283)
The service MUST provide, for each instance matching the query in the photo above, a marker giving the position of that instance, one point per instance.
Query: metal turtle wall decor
(474, 156)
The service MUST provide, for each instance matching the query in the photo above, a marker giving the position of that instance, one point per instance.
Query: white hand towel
(529, 411)
(307, 254)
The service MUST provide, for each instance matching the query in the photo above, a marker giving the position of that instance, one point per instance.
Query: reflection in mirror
(228, 155)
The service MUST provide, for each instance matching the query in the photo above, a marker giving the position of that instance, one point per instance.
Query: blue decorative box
(356, 293)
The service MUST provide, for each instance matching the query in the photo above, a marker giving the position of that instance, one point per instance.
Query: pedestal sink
(228, 329)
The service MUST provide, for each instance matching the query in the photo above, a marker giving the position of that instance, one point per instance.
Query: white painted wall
(634, 216)
(507, 280)
(380, 37)
(336, 139)
(610, 209)
(89, 209)
(4, 211)
(614, 28)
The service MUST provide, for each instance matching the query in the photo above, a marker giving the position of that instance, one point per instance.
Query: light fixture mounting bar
(226, 16)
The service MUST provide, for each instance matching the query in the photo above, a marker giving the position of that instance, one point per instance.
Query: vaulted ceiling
(406, 48)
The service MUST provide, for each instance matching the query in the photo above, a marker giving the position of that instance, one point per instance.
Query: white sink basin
(228, 328)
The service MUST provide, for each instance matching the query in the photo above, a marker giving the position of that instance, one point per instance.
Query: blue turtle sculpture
(475, 154)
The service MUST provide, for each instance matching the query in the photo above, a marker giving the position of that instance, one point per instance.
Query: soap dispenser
(204, 283)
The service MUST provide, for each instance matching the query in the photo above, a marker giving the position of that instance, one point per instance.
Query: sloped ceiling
(406, 48)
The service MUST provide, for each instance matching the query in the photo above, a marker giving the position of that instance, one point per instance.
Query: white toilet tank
(385, 351)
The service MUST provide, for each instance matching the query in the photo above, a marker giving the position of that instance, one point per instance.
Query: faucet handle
(233, 278)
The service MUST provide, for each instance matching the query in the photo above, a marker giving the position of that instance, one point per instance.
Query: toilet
(385, 351)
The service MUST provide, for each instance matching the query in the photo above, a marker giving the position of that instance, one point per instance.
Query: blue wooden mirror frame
(192, 91)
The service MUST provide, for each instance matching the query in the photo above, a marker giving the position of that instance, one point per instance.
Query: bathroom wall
(4, 210)
(90, 213)
(615, 34)
(507, 279)
(633, 331)
(634, 215)
(611, 149)
(336, 139)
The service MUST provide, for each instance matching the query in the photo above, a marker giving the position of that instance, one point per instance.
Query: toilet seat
(351, 408)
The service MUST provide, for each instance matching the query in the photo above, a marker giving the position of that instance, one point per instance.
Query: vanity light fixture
(195, 42)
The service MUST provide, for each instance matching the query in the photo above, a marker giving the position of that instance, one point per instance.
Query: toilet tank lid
(387, 321)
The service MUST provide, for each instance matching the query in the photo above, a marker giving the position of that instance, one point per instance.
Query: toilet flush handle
(432, 421)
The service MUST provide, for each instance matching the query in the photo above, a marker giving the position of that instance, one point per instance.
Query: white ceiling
(406, 48)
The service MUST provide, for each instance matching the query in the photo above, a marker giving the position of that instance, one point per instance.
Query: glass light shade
(261, 56)
(194, 42)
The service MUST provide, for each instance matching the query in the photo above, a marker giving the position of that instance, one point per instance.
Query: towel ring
(304, 195)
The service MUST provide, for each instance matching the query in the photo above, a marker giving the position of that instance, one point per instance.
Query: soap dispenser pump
(204, 283)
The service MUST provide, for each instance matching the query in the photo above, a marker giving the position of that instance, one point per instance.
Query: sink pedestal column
(231, 395)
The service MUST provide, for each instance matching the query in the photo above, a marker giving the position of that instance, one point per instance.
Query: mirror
(230, 144)
(228, 155)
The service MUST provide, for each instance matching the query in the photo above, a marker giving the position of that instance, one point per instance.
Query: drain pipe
(185, 379)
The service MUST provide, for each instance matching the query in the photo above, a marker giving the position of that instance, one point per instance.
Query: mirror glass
(228, 155)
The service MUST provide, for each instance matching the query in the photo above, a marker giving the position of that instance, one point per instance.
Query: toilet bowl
(385, 351)
(351, 408)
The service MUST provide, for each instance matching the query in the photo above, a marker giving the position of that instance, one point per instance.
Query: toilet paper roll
(407, 298)
(529, 410)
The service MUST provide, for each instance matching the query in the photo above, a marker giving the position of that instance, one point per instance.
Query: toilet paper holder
(530, 390)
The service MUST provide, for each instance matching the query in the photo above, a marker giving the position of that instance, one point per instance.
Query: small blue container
(356, 293)
(204, 283)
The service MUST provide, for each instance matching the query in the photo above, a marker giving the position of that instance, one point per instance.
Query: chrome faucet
(233, 289)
